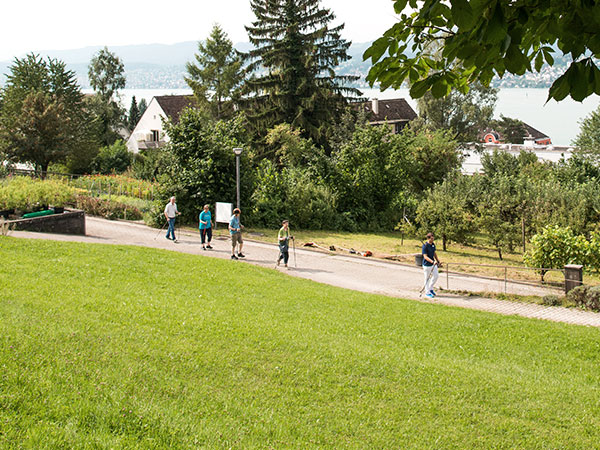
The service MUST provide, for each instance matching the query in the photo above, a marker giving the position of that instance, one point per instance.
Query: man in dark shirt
(431, 262)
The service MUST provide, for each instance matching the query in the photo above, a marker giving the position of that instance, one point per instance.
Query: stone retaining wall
(72, 221)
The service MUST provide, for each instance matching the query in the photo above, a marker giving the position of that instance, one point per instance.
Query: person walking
(171, 214)
(235, 230)
(431, 262)
(205, 226)
(283, 238)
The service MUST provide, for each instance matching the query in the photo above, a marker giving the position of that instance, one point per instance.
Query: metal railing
(505, 279)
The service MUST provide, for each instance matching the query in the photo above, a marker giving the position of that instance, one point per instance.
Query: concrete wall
(70, 222)
(151, 120)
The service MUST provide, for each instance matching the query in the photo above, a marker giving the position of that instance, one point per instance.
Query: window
(399, 126)
(155, 135)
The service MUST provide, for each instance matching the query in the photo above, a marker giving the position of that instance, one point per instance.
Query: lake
(560, 121)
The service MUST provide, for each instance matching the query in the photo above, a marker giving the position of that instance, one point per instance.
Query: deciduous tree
(42, 119)
(484, 39)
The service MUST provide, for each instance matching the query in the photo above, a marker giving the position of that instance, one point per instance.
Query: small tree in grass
(556, 246)
(444, 210)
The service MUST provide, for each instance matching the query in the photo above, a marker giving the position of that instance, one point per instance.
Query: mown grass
(126, 347)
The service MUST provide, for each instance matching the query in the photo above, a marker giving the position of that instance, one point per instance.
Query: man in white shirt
(170, 214)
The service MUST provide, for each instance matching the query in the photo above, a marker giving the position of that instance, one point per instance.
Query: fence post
(573, 276)
(505, 277)
(447, 276)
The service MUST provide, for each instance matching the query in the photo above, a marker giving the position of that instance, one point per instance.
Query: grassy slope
(126, 347)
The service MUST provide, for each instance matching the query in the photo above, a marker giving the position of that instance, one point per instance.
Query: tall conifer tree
(293, 60)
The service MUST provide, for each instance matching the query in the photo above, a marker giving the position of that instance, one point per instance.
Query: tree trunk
(44, 171)
(444, 242)
(499, 252)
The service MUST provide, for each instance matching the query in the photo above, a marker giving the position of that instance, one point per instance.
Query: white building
(149, 132)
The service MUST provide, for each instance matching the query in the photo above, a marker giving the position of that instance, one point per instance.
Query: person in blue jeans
(431, 262)
(171, 214)
(205, 226)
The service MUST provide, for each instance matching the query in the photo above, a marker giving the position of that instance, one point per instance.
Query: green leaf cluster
(481, 40)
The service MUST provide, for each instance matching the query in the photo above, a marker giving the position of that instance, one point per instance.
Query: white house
(149, 133)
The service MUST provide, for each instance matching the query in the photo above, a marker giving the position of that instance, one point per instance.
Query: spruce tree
(293, 60)
(134, 114)
(216, 74)
(142, 107)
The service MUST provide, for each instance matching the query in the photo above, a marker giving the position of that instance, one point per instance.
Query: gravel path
(351, 272)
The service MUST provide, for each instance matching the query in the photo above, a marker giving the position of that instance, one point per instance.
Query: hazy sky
(37, 25)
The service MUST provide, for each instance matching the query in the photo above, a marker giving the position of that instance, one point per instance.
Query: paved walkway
(352, 272)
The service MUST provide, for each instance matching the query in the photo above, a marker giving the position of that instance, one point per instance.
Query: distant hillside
(162, 66)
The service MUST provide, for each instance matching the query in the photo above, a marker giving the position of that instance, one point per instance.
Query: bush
(555, 247)
(108, 209)
(291, 194)
(551, 300)
(24, 193)
(586, 297)
(113, 159)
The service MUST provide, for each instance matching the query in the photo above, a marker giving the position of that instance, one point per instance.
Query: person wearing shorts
(235, 230)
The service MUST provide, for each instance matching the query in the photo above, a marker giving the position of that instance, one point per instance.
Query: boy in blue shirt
(205, 226)
(431, 262)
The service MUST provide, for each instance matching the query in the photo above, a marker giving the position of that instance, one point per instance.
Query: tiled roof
(535, 133)
(173, 105)
(396, 109)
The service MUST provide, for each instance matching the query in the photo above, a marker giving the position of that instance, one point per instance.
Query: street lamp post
(238, 151)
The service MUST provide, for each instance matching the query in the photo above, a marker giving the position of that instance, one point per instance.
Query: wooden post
(573, 276)
(523, 232)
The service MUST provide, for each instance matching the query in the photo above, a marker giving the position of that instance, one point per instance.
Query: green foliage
(511, 131)
(108, 209)
(504, 163)
(143, 106)
(444, 211)
(587, 143)
(587, 297)
(551, 300)
(465, 114)
(42, 120)
(291, 194)
(115, 158)
(106, 73)
(293, 66)
(480, 40)
(216, 74)
(431, 156)
(116, 185)
(134, 114)
(555, 247)
(371, 176)
(202, 167)
(24, 194)
(148, 163)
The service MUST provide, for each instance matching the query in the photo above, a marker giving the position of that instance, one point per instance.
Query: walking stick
(160, 231)
(427, 281)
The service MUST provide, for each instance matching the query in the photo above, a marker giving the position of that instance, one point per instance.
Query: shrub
(555, 247)
(107, 208)
(551, 300)
(115, 158)
(586, 297)
(24, 193)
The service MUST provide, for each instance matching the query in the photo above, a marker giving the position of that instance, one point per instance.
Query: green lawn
(127, 347)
